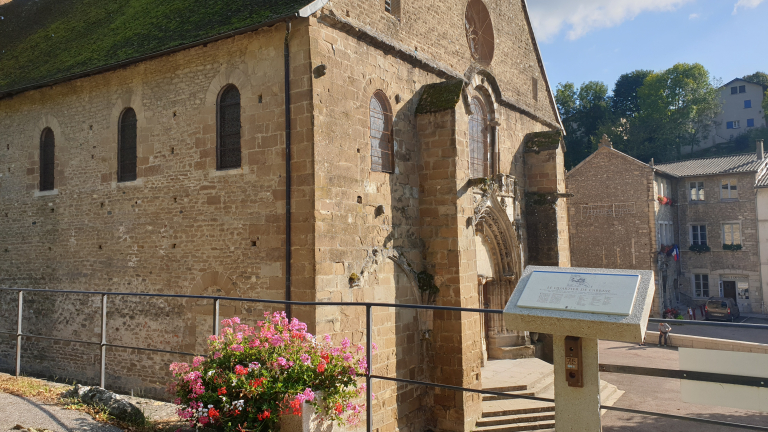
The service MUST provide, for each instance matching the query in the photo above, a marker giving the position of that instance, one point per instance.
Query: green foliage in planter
(731, 247)
(427, 287)
(699, 248)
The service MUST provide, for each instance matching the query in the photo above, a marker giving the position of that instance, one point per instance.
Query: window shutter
(729, 125)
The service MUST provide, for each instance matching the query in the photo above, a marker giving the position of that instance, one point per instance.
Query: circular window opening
(477, 22)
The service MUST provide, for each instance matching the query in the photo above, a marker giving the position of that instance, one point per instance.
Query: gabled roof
(614, 151)
(50, 41)
(765, 87)
(740, 163)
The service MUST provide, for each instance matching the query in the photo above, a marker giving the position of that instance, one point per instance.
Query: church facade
(387, 151)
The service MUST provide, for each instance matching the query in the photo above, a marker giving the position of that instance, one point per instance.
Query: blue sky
(584, 40)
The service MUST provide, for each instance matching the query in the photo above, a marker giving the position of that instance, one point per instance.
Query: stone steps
(512, 353)
(527, 377)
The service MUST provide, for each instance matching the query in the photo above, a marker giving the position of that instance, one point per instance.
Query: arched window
(382, 145)
(126, 146)
(47, 159)
(480, 37)
(228, 126)
(478, 140)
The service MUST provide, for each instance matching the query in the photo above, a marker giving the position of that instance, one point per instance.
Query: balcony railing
(369, 377)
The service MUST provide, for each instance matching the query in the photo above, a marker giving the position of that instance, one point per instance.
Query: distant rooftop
(740, 163)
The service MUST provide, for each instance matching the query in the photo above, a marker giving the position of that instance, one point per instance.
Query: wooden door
(729, 289)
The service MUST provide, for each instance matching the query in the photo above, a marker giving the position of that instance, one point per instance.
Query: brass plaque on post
(573, 362)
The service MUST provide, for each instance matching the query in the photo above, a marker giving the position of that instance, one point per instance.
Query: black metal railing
(369, 376)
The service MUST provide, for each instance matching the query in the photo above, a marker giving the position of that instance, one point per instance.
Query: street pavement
(16, 410)
(737, 334)
(659, 394)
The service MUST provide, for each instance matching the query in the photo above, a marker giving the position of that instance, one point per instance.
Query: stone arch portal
(498, 250)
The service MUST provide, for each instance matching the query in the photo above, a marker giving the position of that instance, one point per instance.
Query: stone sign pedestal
(579, 306)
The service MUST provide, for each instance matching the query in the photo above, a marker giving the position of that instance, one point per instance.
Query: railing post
(18, 334)
(103, 340)
(216, 317)
(368, 352)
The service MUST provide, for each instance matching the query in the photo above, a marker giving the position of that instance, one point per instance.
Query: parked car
(721, 308)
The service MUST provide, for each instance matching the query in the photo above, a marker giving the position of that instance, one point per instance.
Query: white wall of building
(733, 110)
(762, 232)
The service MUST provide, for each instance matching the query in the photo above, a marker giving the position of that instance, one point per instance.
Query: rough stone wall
(423, 29)
(626, 241)
(449, 248)
(719, 264)
(546, 217)
(182, 227)
(352, 236)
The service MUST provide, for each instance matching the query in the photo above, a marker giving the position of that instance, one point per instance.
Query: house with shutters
(300, 150)
(742, 110)
(719, 236)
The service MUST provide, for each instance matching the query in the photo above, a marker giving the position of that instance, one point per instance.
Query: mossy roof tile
(46, 40)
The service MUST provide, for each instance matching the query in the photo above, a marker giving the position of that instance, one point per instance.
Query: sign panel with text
(612, 294)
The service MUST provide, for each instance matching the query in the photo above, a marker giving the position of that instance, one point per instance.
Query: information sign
(611, 294)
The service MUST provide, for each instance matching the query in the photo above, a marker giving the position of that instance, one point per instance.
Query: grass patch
(31, 388)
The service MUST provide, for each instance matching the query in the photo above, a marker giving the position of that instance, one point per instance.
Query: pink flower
(328, 338)
(197, 361)
(309, 395)
(375, 347)
(226, 322)
(235, 320)
(236, 348)
(360, 348)
(254, 343)
(345, 343)
(306, 359)
(254, 365)
(282, 362)
(347, 357)
(216, 355)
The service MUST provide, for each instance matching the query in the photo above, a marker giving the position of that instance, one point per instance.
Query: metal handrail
(369, 338)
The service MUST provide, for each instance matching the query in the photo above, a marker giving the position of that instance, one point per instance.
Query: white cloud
(746, 4)
(579, 17)
(693, 16)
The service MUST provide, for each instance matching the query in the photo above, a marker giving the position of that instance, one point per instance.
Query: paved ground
(28, 413)
(745, 335)
(659, 394)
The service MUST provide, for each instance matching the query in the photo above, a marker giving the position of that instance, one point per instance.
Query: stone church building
(333, 150)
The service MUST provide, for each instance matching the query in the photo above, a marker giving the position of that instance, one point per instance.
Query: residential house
(742, 110)
(717, 213)
(621, 216)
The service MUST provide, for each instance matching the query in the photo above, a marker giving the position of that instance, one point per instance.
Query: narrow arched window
(478, 140)
(228, 126)
(126, 146)
(382, 144)
(47, 159)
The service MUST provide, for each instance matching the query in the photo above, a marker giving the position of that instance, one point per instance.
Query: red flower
(264, 415)
(326, 357)
(338, 408)
(321, 367)
(239, 370)
(222, 391)
(257, 382)
(213, 413)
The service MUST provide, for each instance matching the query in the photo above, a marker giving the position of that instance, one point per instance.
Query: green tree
(677, 108)
(583, 112)
(757, 78)
(625, 102)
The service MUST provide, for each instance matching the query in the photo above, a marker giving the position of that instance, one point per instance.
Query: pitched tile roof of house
(762, 177)
(47, 41)
(740, 163)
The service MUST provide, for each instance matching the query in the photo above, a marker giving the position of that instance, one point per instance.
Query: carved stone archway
(495, 212)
